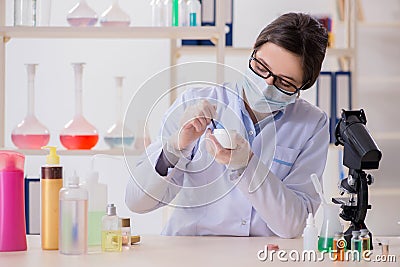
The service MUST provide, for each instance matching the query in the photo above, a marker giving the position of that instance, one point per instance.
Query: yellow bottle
(51, 183)
(111, 235)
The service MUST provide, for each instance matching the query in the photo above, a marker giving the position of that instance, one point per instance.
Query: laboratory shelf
(195, 49)
(64, 152)
(205, 33)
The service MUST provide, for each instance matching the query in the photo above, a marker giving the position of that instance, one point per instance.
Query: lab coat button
(251, 132)
(244, 222)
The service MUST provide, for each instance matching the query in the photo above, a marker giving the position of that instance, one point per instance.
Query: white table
(179, 251)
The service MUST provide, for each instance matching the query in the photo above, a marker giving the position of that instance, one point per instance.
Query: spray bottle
(51, 183)
(97, 202)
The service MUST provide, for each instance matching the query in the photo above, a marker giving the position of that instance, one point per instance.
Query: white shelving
(63, 152)
(216, 34)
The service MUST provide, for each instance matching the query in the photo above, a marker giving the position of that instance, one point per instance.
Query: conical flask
(114, 16)
(82, 15)
(78, 133)
(330, 226)
(118, 136)
(30, 133)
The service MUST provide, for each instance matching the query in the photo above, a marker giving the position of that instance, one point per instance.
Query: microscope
(360, 153)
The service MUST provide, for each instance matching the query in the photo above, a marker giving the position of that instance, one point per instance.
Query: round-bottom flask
(82, 15)
(78, 133)
(30, 133)
(117, 136)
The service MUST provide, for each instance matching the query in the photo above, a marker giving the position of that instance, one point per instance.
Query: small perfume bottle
(126, 232)
(111, 237)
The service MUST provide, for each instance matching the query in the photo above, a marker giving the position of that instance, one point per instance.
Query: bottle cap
(125, 222)
(355, 233)
(310, 219)
(52, 158)
(338, 234)
(111, 210)
(364, 231)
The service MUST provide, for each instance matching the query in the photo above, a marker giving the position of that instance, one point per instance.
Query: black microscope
(360, 153)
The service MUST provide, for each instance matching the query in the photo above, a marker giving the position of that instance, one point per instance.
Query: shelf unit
(215, 33)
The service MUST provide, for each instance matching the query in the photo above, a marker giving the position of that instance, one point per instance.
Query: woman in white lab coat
(262, 187)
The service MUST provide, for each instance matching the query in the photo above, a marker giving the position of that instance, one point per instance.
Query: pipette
(318, 188)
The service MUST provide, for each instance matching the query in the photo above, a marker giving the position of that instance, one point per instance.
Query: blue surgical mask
(262, 97)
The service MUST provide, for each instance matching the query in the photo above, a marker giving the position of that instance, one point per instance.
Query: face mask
(262, 97)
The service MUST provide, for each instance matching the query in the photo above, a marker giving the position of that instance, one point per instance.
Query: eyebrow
(283, 76)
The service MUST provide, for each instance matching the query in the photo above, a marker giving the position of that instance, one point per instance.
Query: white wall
(379, 72)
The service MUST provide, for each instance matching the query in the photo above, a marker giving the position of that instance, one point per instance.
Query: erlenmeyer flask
(82, 15)
(30, 133)
(78, 133)
(114, 16)
(117, 135)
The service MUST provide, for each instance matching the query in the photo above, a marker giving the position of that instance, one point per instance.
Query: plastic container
(78, 133)
(30, 133)
(111, 235)
(114, 16)
(97, 202)
(117, 135)
(310, 234)
(330, 226)
(12, 202)
(51, 183)
(73, 218)
(82, 15)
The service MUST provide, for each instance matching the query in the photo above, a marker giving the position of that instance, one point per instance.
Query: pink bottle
(12, 207)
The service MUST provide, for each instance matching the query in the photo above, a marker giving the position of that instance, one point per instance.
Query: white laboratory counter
(181, 251)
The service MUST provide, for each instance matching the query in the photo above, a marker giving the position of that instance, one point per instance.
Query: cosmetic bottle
(310, 234)
(51, 183)
(126, 232)
(73, 218)
(111, 236)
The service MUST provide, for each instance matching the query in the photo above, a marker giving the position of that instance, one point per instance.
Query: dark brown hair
(302, 35)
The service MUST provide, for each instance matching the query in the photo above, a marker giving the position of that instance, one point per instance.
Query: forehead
(281, 61)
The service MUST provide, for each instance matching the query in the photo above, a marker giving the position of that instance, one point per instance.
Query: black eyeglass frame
(270, 73)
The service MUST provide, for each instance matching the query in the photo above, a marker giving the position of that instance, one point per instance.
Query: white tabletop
(179, 251)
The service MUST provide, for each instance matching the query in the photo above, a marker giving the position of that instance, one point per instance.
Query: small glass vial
(339, 246)
(126, 232)
(194, 13)
(356, 243)
(365, 241)
(111, 238)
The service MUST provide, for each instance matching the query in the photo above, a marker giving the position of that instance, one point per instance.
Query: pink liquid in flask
(30, 141)
(79, 141)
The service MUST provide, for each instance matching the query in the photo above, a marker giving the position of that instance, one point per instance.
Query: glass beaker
(330, 226)
(114, 16)
(30, 133)
(117, 135)
(82, 15)
(24, 12)
(78, 133)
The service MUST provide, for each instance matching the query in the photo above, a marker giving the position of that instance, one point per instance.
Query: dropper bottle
(51, 183)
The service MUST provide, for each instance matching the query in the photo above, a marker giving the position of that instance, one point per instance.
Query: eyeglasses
(261, 70)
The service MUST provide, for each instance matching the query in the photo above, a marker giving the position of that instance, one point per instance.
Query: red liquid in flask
(79, 141)
(30, 141)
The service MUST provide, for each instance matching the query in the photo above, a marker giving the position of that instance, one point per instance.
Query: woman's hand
(234, 158)
(194, 122)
